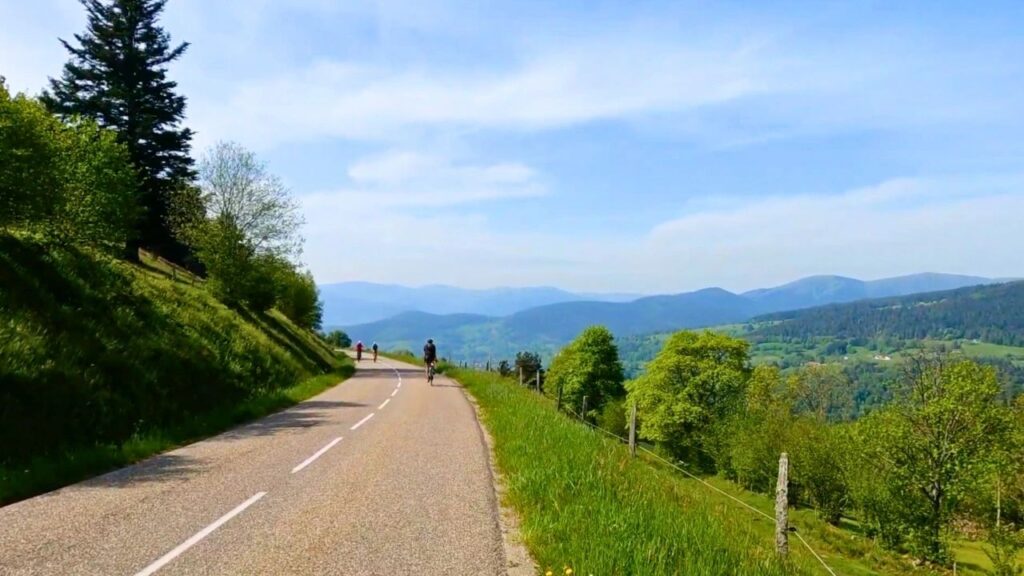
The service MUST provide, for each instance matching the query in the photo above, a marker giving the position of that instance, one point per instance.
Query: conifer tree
(117, 75)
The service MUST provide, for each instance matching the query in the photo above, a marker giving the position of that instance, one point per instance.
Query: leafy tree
(504, 368)
(29, 178)
(237, 188)
(823, 391)
(528, 363)
(299, 299)
(117, 76)
(688, 390)
(73, 182)
(589, 366)
(931, 448)
(338, 339)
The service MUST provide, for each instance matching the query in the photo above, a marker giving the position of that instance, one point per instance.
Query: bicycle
(430, 373)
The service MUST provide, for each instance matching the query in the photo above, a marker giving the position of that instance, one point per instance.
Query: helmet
(430, 340)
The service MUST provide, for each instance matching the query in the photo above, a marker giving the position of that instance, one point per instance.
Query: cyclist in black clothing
(429, 355)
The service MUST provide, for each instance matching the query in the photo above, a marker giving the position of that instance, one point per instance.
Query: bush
(589, 366)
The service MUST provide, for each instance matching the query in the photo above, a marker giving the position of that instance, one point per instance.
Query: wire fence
(652, 454)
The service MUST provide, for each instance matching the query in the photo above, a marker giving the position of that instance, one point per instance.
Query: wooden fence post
(583, 412)
(538, 380)
(520, 375)
(782, 507)
(632, 431)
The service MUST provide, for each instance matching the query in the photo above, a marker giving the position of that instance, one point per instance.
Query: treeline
(101, 161)
(992, 313)
(946, 450)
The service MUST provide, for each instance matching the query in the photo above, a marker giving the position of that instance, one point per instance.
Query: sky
(644, 147)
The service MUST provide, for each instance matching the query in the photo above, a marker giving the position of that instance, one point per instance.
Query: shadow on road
(163, 468)
(299, 417)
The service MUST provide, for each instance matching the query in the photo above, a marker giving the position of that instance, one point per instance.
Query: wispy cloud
(406, 179)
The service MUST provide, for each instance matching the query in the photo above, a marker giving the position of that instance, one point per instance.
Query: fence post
(558, 405)
(632, 431)
(520, 375)
(782, 507)
(538, 380)
(583, 412)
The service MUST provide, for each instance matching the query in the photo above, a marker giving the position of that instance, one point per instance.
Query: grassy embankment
(103, 363)
(587, 504)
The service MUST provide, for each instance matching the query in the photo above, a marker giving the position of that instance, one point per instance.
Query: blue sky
(610, 146)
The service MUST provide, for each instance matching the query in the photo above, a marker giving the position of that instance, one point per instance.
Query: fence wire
(689, 474)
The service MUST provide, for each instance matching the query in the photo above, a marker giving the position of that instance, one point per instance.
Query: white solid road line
(318, 454)
(167, 558)
(361, 422)
(381, 407)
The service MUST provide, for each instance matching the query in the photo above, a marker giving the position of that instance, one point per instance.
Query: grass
(107, 362)
(586, 504)
(53, 471)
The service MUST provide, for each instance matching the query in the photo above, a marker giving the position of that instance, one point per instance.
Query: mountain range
(349, 303)
(469, 331)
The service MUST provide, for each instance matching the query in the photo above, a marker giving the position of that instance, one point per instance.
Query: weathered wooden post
(583, 412)
(632, 431)
(782, 507)
(520, 375)
(538, 380)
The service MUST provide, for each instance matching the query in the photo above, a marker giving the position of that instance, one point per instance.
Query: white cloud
(960, 225)
(406, 179)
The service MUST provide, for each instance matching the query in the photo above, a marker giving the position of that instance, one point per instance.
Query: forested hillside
(993, 314)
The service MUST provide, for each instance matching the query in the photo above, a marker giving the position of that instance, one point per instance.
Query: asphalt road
(380, 475)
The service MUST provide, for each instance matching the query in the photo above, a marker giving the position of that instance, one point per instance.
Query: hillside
(820, 290)
(96, 353)
(350, 303)
(991, 313)
(546, 328)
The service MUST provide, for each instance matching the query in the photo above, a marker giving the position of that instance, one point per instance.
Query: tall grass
(586, 504)
(103, 362)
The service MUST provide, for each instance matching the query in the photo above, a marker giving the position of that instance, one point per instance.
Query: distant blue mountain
(350, 303)
(481, 324)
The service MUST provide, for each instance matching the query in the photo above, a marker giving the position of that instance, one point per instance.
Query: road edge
(518, 561)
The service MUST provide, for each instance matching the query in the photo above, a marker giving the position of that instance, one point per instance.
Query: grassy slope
(131, 361)
(586, 504)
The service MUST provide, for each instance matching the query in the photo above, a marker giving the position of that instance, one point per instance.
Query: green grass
(53, 471)
(106, 362)
(585, 503)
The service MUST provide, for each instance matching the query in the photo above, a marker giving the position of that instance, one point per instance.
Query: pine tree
(117, 75)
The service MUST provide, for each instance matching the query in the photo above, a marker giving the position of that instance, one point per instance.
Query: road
(380, 475)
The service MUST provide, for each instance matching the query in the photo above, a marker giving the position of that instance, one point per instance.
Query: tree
(237, 188)
(589, 366)
(688, 391)
(528, 363)
(299, 299)
(932, 447)
(338, 339)
(71, 181)
(117, 76)
(504, 369)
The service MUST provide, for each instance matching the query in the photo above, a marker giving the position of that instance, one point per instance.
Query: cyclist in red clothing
(359, 351)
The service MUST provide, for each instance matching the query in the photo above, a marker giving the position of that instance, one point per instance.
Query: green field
(586, 504)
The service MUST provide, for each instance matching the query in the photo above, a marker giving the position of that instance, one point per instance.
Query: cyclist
(374, 347)
(429, 358)
(359, 351)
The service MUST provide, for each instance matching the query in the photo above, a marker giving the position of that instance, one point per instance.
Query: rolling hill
(546, 328)
(351, 303)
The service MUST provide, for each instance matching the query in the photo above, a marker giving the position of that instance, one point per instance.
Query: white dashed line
(381, 407)
(361, 422)
(318, 454)
(395, 392)
(167, 558)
